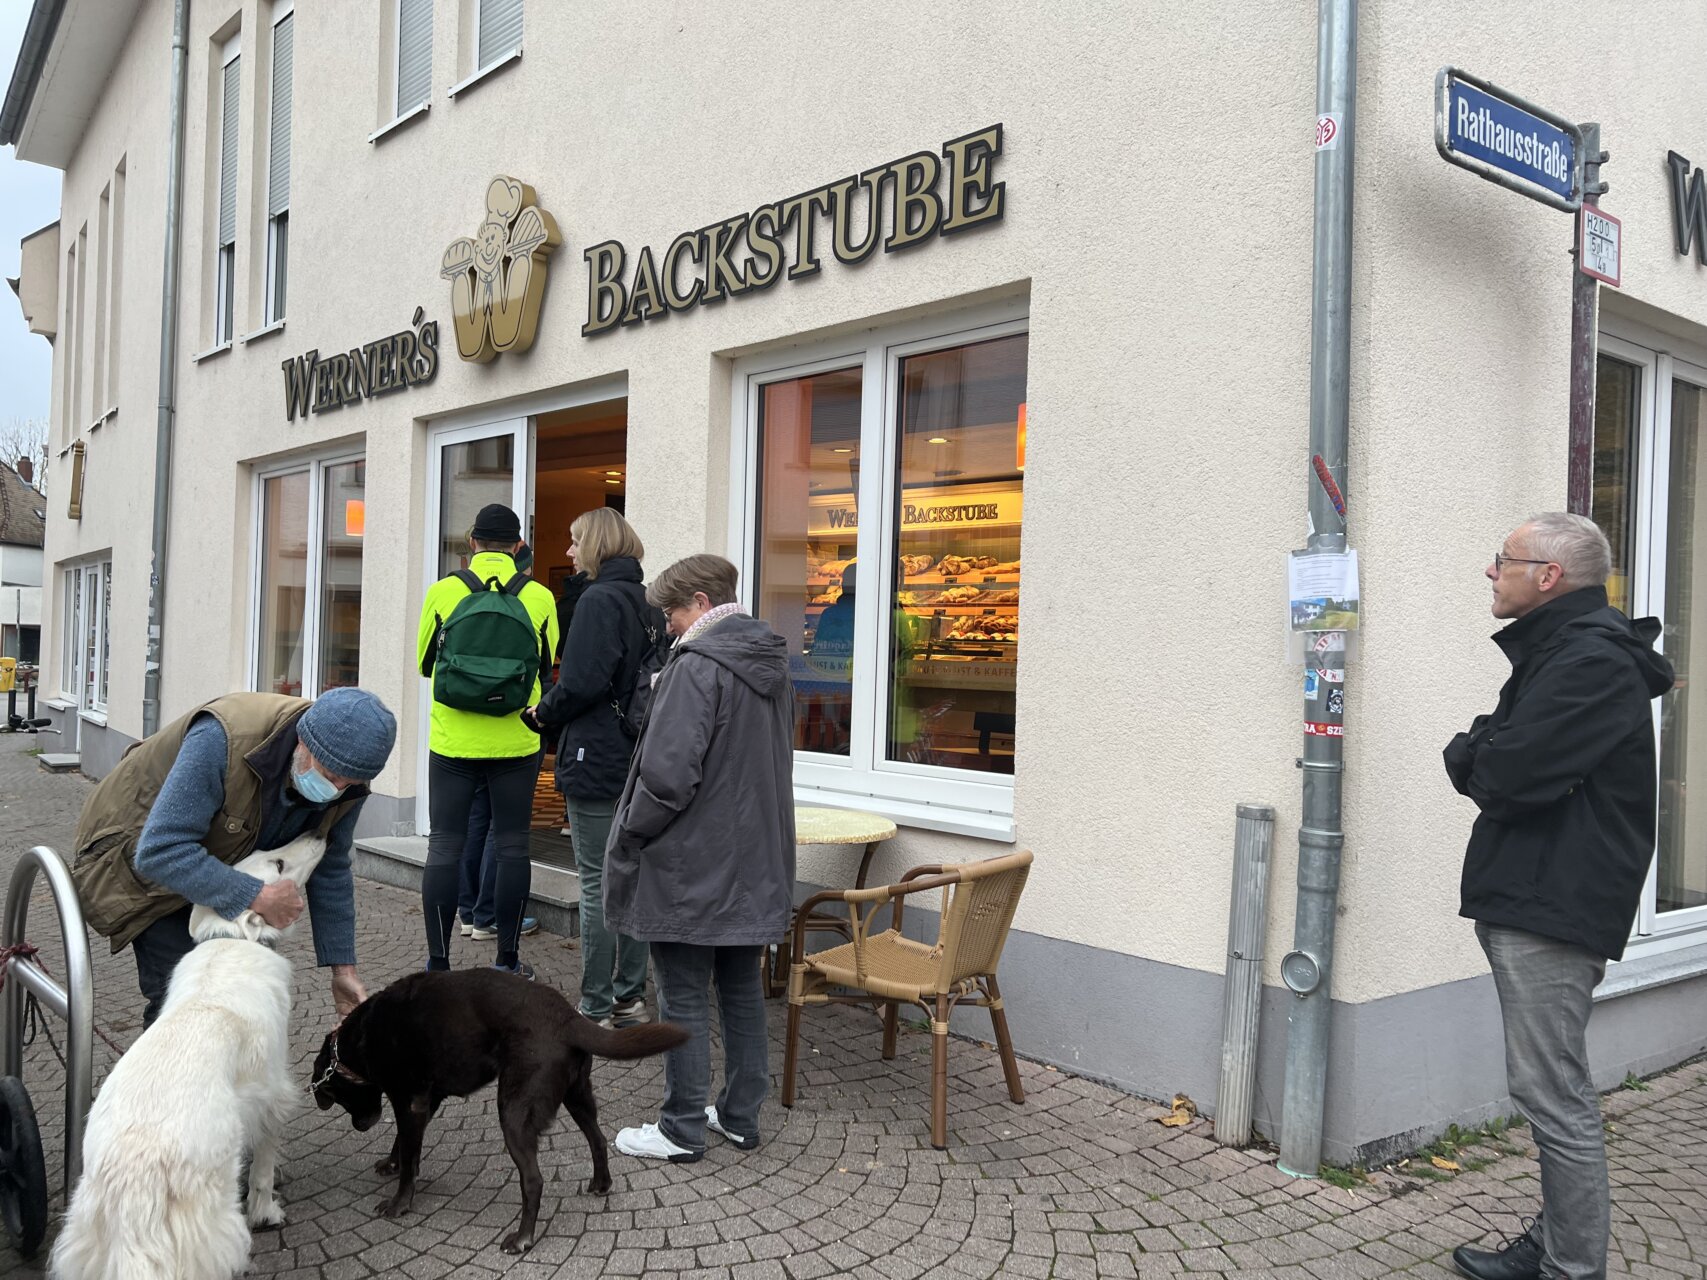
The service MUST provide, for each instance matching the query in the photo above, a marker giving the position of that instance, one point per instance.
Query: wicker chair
(888, 969)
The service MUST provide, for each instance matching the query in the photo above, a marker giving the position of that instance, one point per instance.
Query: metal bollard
(1247, 925)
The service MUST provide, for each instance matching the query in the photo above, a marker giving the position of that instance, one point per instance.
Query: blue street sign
(1509, 141)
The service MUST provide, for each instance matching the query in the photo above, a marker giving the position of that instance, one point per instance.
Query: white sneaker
(649, 1143)
(479, 933)
(734, 1139)
(467, 929)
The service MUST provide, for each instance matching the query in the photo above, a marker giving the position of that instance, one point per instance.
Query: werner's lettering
(898, 205)
(405, 359)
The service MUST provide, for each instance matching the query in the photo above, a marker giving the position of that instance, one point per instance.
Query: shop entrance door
(468, 467)
(580, 462)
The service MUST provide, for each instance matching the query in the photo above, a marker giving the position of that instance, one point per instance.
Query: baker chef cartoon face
(498, 275)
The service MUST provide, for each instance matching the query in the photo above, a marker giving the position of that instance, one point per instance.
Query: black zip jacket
(601, 653)
(1564, 774)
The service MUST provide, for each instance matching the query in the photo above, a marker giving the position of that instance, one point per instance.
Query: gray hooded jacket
(702, 848)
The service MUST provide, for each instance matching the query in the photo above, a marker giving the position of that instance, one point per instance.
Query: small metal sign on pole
(1540, 154)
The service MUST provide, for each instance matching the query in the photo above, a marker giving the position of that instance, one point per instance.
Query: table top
(815, 825)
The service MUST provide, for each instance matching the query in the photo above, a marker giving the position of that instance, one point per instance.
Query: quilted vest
(260, 729)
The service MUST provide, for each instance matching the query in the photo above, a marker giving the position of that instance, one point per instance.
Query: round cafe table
(814, 824)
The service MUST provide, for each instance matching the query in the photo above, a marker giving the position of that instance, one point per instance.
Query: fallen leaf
(1441, 1162)
(1185, 1111)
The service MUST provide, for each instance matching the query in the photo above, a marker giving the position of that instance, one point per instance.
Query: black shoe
(1517, 1259)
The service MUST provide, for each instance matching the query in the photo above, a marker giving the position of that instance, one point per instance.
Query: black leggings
(451, 783)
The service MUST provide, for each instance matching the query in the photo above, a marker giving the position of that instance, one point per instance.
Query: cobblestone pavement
(1079, 1181)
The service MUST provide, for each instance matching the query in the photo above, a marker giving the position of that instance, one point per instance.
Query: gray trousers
(685, 973)
(1546, 995)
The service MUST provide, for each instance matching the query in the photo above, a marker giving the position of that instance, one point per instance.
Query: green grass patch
(1345, 1179)
(1634, 1082)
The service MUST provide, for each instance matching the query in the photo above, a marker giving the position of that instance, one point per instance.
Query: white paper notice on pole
(1599, 241)
(1322, 590)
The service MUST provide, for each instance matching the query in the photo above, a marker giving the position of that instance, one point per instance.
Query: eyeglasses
(1501, 560)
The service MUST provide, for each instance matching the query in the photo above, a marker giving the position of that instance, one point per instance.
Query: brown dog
(433, 1036)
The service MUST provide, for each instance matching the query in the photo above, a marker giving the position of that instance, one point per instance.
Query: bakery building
(996, 391)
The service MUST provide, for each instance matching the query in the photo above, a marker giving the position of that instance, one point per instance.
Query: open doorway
(580, 462)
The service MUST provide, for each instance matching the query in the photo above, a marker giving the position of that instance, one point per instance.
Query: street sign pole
(1585, 326)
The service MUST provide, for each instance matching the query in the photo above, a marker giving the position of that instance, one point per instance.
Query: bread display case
(955, 614)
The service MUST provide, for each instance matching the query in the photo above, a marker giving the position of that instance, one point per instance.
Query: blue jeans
(479, 874)
(685, 972)
(157, 949)
(1546, 991)
(613, 967)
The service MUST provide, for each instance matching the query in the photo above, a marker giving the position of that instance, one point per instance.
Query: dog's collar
(335, 1067)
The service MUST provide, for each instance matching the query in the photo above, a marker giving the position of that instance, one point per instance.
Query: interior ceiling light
(841, 451)
(937, 440)
(613, 473)
(613, 482)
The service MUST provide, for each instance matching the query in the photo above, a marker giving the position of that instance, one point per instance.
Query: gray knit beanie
(349, 731)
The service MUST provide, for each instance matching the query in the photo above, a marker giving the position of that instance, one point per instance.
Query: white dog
(208, 1082)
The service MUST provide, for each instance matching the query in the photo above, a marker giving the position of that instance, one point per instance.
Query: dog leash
(32, 1010)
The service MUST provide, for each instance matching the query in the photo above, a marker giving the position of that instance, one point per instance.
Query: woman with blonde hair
(612, 632)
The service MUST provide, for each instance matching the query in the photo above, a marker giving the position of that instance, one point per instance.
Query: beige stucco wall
(1158, 172)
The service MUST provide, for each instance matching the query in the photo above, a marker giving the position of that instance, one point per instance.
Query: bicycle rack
(74, 1002)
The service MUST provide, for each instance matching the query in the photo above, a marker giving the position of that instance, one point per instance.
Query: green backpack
(487, 654)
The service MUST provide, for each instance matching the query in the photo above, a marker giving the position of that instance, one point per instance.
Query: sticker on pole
(1516, 144)
(1320, 729)
(1599, 240)
(1328, 131)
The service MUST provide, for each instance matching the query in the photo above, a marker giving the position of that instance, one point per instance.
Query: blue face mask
(314, 788)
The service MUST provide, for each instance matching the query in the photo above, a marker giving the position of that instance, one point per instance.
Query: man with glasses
(1563, 773)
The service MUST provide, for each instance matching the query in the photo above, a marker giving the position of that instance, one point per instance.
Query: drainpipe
(168, 368)
(1308, 969)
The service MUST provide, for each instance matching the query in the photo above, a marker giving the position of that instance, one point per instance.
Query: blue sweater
(170, 851)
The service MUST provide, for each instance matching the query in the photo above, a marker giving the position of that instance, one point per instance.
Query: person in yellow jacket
(471, 746)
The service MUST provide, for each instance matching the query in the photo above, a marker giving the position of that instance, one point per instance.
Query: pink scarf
(710, 618)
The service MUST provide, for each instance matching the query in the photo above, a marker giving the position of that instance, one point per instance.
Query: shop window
(278, 161)
(86, 599)
(1649, 499)
(414, 54)
(308, 593)
(225, 259)
(882, 541)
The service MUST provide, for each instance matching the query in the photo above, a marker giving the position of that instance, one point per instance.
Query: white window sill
(108, 416)
(94, 717)
(276, 326)
(57, 704)
(419, 109)
(514, 55)
(211, 352)
(980, 824)
(1657, 967)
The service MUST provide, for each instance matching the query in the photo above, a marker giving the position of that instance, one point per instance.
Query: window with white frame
(85, 649)
(1650, 498)
(499, 30)
(414, 54)
(278, 159)
(225, 260)
(310, 520)
(880, 537)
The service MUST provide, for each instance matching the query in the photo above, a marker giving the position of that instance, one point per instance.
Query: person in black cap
(241, 774)
(478, 736)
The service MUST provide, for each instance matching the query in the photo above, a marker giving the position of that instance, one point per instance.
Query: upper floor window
(278, 160)
(500, 31)
(414, 54)
(225, 262)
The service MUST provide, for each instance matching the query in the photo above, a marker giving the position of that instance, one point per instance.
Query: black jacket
(1563, 771)
(600, 656)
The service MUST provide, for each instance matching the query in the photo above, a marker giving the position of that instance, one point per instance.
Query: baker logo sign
(498, 275)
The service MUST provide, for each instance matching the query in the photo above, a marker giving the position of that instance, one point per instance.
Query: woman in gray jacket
(701, 856)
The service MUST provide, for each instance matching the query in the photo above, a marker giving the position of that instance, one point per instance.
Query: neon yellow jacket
(468, 734)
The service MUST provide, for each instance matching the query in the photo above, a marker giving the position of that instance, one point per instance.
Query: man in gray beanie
(243, 773)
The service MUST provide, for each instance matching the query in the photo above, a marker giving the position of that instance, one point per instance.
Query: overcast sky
(29, 200)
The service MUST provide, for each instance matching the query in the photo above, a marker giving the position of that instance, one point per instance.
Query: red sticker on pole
(1321, 729)
(1328, 485)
